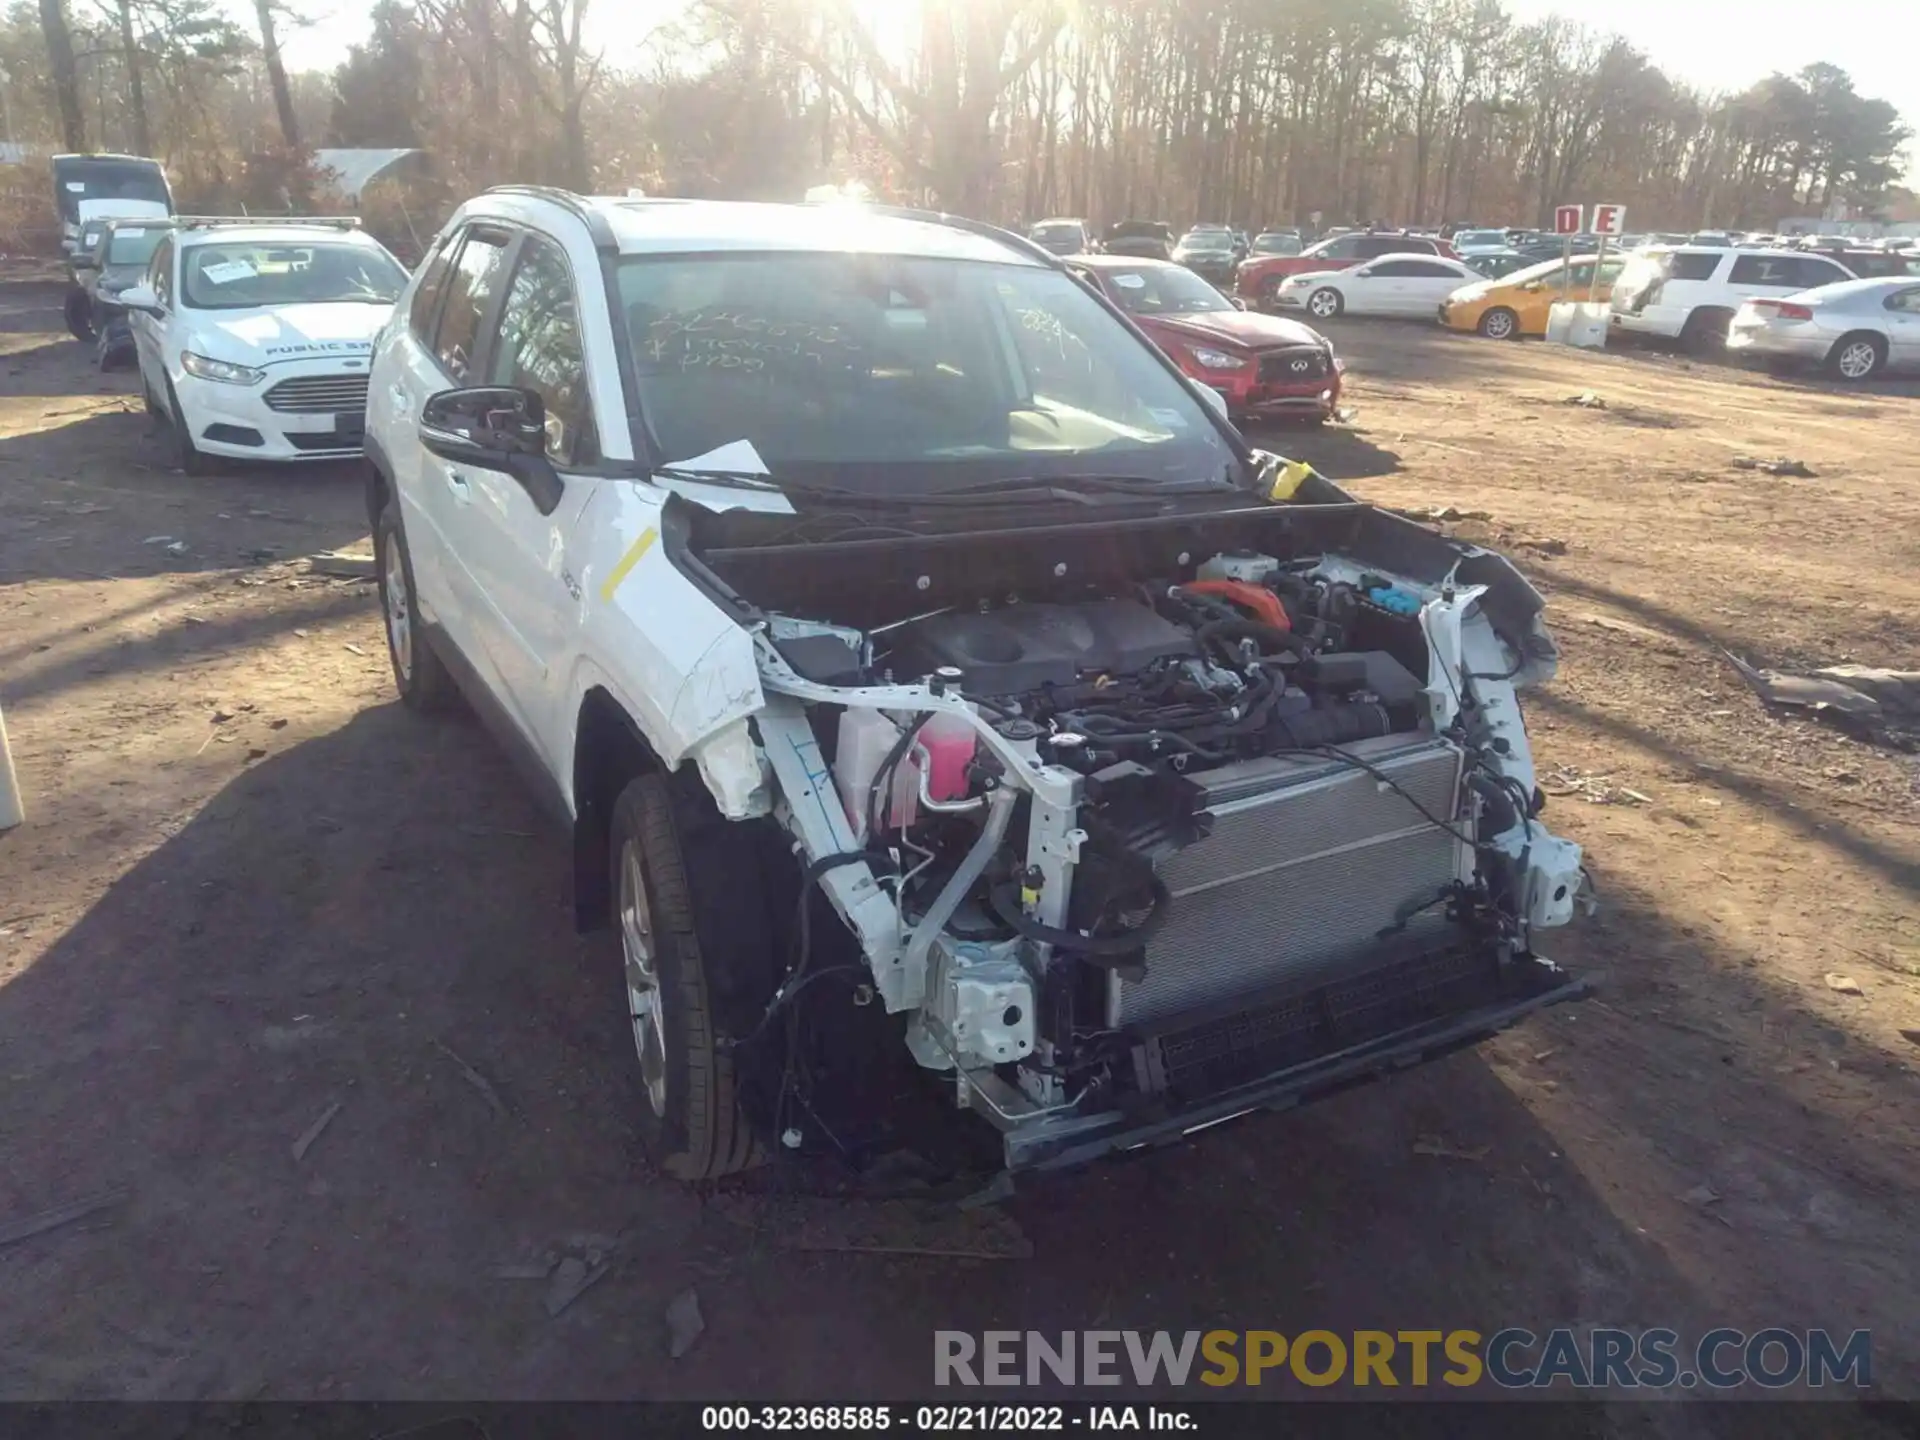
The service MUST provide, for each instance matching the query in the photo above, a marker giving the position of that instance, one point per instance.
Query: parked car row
(1786, 307)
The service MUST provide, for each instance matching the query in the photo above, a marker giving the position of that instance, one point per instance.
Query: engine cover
(1019, 649)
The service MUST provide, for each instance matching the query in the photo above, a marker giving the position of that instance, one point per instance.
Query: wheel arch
(1872, 337)
(609, 753)
(379, 481)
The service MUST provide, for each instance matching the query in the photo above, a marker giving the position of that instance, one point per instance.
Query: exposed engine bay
(1230, 818)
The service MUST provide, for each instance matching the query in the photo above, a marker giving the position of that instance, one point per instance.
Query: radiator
(1309, 863)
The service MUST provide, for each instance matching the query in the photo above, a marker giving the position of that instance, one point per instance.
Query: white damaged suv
(929, 682)
(253, 337)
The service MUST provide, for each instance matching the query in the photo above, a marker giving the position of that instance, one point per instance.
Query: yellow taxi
(1517, 305)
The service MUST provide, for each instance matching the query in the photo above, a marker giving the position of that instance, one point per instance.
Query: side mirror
(494, 427)
(140, 297)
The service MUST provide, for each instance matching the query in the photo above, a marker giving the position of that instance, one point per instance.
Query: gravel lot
(251, 888)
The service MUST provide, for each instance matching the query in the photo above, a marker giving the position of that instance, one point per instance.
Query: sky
(1715, 44)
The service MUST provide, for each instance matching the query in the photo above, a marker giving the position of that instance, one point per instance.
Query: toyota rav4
(920, 666)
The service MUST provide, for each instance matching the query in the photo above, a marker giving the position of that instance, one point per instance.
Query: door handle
(398, 395)
(457, 483)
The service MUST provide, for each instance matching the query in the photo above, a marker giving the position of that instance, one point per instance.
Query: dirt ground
(251, 888)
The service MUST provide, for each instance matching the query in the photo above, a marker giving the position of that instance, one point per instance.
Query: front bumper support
(1082, 1139)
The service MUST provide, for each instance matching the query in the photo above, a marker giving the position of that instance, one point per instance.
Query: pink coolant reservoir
(949, 741)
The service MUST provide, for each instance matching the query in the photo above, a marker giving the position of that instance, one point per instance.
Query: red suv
(1259, 276)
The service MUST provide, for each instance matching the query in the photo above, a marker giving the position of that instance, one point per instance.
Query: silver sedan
(1856, 328)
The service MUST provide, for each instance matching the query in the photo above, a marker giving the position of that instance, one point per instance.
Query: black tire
(1705, 332)
(1857, 357)
(79, 316)
(419, 674)
(1326, 303)
(188, 458)
(1500, 323)
(693, 1125)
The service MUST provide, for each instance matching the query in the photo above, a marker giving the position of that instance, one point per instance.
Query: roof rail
(972, 227)
(573, 204)
(324, 222)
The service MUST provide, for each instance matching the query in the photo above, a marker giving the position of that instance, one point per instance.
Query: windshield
(1487, 239)
(899, 374)
(1154, 290)
(1062, 234)
(1276, 245)
(1207, 240)
(133, 246)
(85, 179)
(244, 274)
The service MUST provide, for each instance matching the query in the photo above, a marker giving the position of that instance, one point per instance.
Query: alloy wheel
(399, 609)
(1858, 360)
(645, 998)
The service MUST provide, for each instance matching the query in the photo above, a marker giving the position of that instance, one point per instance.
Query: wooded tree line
(1250, 111)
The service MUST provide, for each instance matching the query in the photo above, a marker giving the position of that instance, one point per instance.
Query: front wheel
(1500, 324)
(690, 1117)
(188, 458)
(1325, 304)
(79, 316)
(1858, 357)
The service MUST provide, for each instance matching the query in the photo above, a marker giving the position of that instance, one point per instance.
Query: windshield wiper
(1088, 487)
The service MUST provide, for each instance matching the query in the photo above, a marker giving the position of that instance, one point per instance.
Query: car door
(1379, 288)
(436, 509)
(1903, 327)
(1421, 285)
(149, 331)
(514, 549)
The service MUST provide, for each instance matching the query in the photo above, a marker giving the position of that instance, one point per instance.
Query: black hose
(1502, 815)
(1241, 629)
(1005, 899)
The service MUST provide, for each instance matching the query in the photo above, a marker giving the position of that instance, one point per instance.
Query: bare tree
(65, 75)
(277, 73)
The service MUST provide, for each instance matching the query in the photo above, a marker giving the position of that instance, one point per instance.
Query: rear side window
(1778, 272)
(1907, 302)
(433, 281)
(1430, 270)
(471, 286)
(1814, 271)
(1693, 265)
(1345, 248)
(1380, 245)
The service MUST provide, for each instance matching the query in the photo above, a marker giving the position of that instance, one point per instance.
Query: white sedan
(1392, 285)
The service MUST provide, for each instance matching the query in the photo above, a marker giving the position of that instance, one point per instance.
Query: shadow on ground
(342, 911)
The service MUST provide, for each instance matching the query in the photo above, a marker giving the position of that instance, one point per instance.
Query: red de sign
(1609, 220)
(1568, 219)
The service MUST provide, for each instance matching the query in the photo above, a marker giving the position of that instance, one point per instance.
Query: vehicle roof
(192, 236)
(103, 155)
(1126, 262)
(1059, 220)
(656, 226)
(1846, 289)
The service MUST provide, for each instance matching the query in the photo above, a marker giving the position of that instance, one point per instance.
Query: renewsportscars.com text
(1511, 1358)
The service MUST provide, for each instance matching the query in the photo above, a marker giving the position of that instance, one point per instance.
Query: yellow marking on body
(628, 561)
